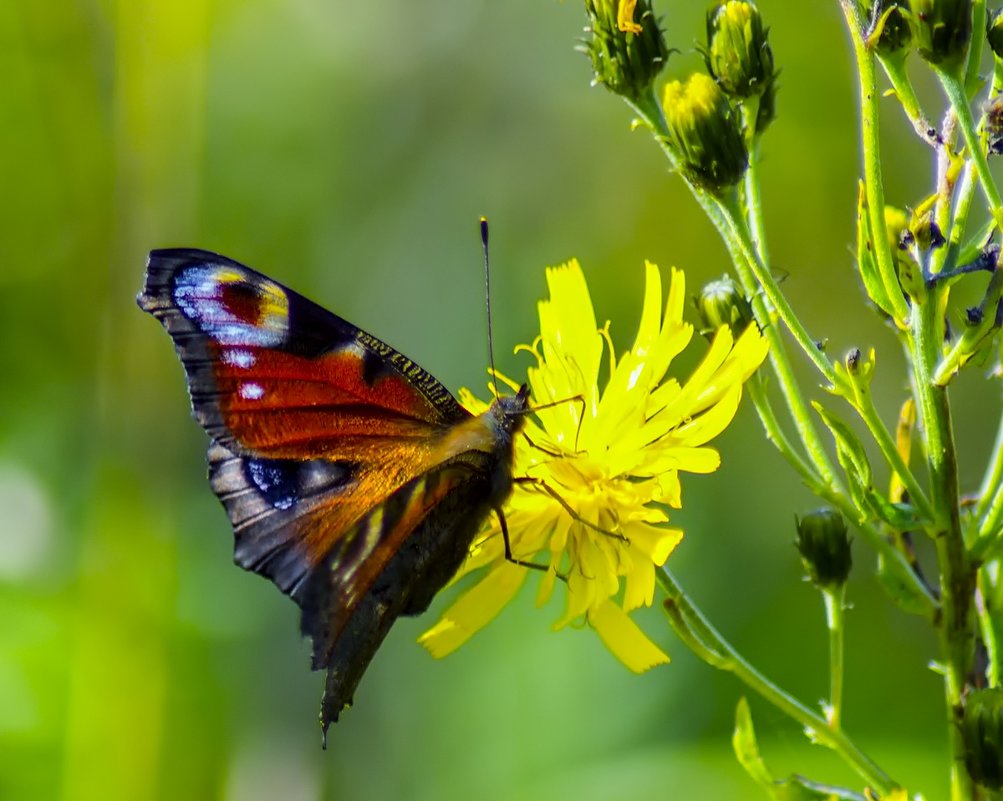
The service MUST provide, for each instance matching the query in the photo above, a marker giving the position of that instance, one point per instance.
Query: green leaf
(743, 740)
(852, 457)
(865, 257)
(901, 591)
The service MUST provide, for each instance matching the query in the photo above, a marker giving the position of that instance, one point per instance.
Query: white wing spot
(250, 391)
(239, 358)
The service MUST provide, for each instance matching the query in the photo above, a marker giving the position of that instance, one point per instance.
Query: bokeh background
(348, 149)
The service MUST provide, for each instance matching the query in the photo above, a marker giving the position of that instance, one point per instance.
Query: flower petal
(623, 637)
(474, 609)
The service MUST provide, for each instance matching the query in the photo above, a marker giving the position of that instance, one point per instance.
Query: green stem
(648, 108)
(941, 214)
(886, 443)
(895, 68)
(873, 182)
(958, 99)
(686, 613)
(896, 560)
(973, 82)
(834, 619)
(753, 195)
(737, 232)
(957, 582)
(776, 435)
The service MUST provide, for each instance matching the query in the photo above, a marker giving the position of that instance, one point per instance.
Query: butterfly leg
(581, 418)
(539, 482)
(508, 546)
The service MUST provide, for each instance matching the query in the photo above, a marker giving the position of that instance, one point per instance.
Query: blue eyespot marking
(232, 308)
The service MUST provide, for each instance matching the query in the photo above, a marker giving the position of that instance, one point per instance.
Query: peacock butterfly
(352, 478)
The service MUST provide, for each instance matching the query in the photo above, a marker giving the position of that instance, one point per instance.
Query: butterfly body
(352, 478)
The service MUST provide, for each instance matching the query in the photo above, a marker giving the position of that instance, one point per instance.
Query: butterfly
(352, 478)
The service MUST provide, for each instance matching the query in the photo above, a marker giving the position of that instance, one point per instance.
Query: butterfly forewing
(301, 406)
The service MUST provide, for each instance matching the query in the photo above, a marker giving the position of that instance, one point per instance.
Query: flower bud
(888, 30)
(627, 47)
(722, 303)
(994, 32)
(982, 731)
(705, 132)
(942, 29)
(824, 546)
(738, 53)
(994, 123)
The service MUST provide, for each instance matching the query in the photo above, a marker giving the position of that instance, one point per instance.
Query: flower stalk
(683, 614)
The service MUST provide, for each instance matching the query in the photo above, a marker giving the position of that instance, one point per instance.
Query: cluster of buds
(710, 118)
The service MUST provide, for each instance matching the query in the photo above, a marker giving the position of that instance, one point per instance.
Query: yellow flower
(595, 471)
(625, 16)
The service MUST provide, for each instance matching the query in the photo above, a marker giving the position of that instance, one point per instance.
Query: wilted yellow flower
(595, 471)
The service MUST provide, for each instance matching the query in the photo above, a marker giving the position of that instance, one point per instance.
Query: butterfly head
(510, 411)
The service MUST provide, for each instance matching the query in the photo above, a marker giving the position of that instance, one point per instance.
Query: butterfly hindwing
(399, 556)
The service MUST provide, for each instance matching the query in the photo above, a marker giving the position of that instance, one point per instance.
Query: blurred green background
(348, 149)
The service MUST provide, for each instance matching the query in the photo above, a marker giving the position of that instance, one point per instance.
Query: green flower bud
(982, 731)
(888, 30)
(722, 303)
(824, 546)
(994, 32)
(705, 132)
(627, 47)
(738, 54)
(942, 29)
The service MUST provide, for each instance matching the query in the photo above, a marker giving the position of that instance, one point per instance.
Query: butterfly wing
(353, 479)
(421, 537)
(313, 421)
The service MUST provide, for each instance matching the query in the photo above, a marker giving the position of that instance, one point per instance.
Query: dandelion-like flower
(597, 468)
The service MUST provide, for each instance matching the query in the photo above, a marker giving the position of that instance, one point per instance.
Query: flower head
(738, 53)
(627, 46)
(824, 545)
(596, 469)
(888, 31)
(942, 29)
(705, 131)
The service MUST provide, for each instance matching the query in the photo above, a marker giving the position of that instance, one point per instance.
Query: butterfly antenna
(487, 297)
